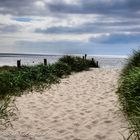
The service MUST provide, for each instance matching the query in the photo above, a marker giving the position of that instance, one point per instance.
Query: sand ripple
(82, 107)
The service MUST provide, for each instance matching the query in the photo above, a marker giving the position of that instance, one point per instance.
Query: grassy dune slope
(129, 94)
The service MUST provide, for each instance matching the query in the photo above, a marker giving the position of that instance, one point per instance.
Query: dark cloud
(133, 4)
(19, 8)
(94, 27)
(112, 8)
(9, 28)
(66, 30)
(102, 7)
(86, 7)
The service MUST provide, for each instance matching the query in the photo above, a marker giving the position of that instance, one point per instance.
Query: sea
(104, 61)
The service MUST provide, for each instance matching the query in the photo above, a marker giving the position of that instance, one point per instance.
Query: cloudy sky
(103, 27)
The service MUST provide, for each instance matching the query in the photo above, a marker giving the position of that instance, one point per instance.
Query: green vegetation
(129, 94)
(15, 81)
(77, 64)
(133, 61)
(7, 68)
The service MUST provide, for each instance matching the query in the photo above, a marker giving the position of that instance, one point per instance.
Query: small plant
(7, 110)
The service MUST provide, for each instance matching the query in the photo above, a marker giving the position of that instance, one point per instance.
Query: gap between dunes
(83, 106)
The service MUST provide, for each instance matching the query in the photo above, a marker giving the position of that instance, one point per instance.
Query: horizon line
(60, 54)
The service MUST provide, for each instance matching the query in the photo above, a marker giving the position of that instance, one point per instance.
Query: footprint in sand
(88, 126)
(71, 118)
(107, 121)
(76, 139)
(61, 131)
(100, 137)
(76, 124)
(94, 122)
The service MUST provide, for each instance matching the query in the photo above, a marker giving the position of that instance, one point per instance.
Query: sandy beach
(83, 106)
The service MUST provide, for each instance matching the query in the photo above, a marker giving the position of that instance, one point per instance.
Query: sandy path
(82, 107)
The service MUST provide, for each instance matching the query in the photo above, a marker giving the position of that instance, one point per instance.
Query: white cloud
(72, 1)
(63, 1)
(40, 4)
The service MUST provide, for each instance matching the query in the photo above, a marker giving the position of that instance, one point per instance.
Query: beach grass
(133, 61)
(7, 68)
(77, 64)
(17, 81)
(129, 94)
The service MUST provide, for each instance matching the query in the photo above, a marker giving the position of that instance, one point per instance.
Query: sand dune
(82, 107)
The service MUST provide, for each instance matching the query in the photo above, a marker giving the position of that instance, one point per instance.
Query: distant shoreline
(23, 54)
(34, 54)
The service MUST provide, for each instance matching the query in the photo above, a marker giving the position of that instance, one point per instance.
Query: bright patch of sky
(22, 19)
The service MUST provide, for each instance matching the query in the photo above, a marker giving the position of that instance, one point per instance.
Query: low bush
(61, 69)
(77, 63)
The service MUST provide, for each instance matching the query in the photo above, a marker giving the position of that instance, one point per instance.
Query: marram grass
(129, 94)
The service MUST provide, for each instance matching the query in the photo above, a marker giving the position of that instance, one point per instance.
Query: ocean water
(111, 62)
(104, 61)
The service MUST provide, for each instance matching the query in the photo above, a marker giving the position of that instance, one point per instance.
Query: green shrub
(133, 61)
(6, 83)
(61, 69)
(91, 63)
(77, 63)
(7, 68)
